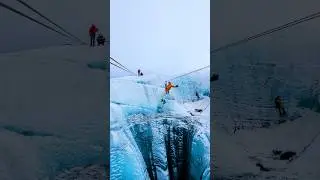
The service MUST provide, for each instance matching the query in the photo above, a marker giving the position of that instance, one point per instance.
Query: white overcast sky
(162, 36)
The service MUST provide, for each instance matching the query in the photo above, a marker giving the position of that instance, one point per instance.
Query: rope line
(270, 31)
(190, 72)
(122, 65)
(31, 19)
(206, 107)
(267, 32)
(118, 66)
(49, 20)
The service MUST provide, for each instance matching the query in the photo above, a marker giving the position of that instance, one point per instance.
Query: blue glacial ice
(152, 140)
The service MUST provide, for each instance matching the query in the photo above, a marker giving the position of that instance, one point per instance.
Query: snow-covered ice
(249, 134)
(52, 112)
(152, 140)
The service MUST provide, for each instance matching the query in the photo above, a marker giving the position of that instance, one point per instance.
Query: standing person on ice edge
(279, 106)
(140, 72)
(92, 32)
(168, 86)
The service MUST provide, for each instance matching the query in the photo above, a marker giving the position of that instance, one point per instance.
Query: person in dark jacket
(92, 33)
(101, 40)
(279, 106)
(197, 95)
(214, 77)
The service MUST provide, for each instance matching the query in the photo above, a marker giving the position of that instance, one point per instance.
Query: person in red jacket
(92, 32)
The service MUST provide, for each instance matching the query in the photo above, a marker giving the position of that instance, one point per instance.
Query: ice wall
(140, 97)
(247, 87)
(190, 84)
(131, 93)
(126, 161)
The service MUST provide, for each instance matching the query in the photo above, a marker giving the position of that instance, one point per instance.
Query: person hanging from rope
(197, 95)
(92, 32)
(169, 86)
(101, 39)
(279, 106)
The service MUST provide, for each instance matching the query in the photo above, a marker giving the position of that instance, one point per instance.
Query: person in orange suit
(169, 86)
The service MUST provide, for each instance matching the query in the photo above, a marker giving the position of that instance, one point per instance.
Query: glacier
(152, 140)
(52, 113)
(62, 135)
(248, 131)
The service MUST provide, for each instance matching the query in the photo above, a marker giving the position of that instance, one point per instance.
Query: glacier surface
(155, 140)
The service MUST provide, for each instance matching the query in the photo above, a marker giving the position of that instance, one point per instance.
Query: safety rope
(267, 32)
(31, 19)
(205, 107)
(118, 66)
(49, 20)
(270, 31)
(122, 65)
(189, 72)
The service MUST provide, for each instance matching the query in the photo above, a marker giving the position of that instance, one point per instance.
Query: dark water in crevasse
(166, 145)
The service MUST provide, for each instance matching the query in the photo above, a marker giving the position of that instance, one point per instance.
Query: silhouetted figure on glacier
(101, 40)
(214, 77)
(198, 96)
(140, 72)
(92, 33)
(279, 106)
